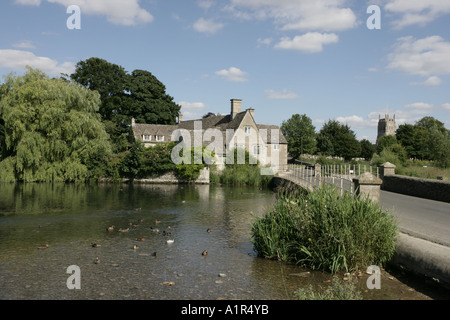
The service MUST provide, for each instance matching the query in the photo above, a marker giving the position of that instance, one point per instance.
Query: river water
(140, 263)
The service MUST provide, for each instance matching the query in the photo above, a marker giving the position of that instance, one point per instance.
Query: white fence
(308, 177)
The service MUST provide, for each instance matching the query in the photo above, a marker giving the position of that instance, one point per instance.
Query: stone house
(221, 134)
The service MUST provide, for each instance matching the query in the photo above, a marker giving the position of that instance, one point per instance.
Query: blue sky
(280, 57)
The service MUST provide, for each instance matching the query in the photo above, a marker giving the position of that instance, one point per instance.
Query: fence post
(368, 185)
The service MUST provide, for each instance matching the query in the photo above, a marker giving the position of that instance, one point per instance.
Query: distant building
(235, 130)
(386, 126)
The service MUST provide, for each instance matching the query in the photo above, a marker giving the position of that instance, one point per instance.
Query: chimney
(235, 107)
(252, 112)
(180, 117)
(133, 122)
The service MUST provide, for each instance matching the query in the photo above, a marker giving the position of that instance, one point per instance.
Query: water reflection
(69, 218)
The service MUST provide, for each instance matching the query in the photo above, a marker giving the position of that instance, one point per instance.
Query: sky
(344, 60)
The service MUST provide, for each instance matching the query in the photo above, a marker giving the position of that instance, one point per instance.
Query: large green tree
(51, 130)
(300, 134)
(138, 95)
(419, 139)
(149, 101)
(367, 149)
(336, 139)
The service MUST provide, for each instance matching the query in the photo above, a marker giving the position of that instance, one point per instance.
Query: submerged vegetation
(323, 230)
(339, 290)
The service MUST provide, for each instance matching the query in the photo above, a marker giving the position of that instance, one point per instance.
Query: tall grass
(323, 230)
(244, 175)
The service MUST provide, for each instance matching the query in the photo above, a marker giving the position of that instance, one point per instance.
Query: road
(422, 218)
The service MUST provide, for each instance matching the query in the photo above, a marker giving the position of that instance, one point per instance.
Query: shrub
(326, 231)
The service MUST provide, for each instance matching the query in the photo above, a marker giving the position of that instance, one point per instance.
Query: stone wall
(417, 187)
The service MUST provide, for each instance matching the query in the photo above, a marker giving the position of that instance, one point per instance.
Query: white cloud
(446, 106)
(431, 81)
(205, 4)
(264, 42)
(311, 42)
(304, 15)
(192, 105)
(358, 122)
(121, 12)
(419, 106)
(233, 74)
(17, 60)
(24, 45)
(372, 69)
(424, 57)
(417, 12)
(207, 26)
(285, 94)
(28, 2)
(192, 110)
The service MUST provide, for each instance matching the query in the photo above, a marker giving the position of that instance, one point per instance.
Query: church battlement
(386, 126)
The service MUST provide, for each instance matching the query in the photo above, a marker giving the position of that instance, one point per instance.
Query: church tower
(386, 126)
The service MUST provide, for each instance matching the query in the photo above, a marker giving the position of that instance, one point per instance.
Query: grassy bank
(325, 231)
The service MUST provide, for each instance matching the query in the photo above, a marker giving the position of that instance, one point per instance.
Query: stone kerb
(368, 185)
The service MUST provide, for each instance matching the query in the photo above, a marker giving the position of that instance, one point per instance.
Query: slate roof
(220, 122)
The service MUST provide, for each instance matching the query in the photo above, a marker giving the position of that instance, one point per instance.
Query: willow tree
(51, 130)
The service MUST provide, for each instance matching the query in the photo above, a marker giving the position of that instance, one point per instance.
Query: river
(45, 228)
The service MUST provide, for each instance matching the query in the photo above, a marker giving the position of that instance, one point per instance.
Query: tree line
(427, 139)
(77, 127)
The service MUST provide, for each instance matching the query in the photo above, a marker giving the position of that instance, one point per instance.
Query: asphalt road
(422, 218)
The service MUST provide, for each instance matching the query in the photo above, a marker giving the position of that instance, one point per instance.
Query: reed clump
(323, 230)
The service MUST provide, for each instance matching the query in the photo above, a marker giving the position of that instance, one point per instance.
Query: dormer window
(159, 138)
(247, 129)
(146, 137)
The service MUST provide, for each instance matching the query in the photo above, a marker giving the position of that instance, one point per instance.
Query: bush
(326, 231)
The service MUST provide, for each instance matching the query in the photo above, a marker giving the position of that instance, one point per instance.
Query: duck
(204, 253)
(132, 225)
(156, 230)
(124, 230)
(135, 247)
(208, 230)
(170, 241)
(140, 220)
(170, 228)
(110, 229)
(97, 260)
(154, 254)
(95, 245)
(157, 221)
(138, 209)
(166, 233)
(140, 239)
(43, 247)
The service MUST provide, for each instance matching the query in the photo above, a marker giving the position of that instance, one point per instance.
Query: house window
(276, 147)
(247, 129)
(146, 137)
(256, 149)
(159, 138)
